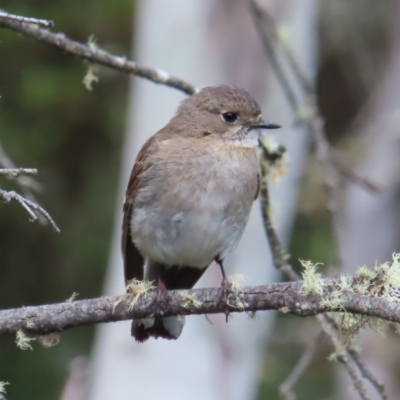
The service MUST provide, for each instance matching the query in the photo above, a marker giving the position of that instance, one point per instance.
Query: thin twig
(258, 14)
(44, 22)
(367, 374)
(279, 258)
(286, 388)
(29, 206)
(15, 172)
(279, 261)
(26, 182)
(267, 29)
(357, 382)
(98, 56)
(343, 356)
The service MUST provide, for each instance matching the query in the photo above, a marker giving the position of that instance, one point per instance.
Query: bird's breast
(190, 212)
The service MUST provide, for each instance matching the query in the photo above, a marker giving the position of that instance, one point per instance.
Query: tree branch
(12, 17)
(95, 55)
(29, 206)
(286, 297)
(26, 182)
(15, 172)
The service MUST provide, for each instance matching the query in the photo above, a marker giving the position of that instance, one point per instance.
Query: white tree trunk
(198, 41)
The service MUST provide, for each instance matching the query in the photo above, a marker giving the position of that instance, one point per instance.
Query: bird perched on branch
(190, 194)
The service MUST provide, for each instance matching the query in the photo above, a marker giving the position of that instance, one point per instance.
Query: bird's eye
(229, 117)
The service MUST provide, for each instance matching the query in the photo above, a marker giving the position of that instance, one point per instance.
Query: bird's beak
(264, 124)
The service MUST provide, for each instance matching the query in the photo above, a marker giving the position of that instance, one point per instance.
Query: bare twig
(26, 182)
(279, 260)
(285, 296)
(97, 56)
(352, 175)
(44, 22)
(357, 382)
(267, 29)
(15, 172)
(29, 206)
(258, 15)
(343, 356)
(367, 374)
(286, 388)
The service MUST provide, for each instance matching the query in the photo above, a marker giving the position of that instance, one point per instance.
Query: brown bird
(190, 194)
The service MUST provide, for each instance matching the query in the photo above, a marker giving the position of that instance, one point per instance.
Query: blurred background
(84, 143)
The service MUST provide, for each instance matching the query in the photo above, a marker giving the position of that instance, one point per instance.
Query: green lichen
(345, 283)
(23, 342)
(312, 281)
(189, 300)
(3, 387)
(333, 301)
(72, 298)
(90, 77)
(364, 272)
(137, 288)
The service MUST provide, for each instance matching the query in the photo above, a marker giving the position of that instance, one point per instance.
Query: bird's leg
(225, 286)
(161, 289)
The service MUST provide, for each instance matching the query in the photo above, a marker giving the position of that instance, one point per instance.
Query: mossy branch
(288, 296)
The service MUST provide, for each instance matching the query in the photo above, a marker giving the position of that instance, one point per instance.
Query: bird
(190, 194)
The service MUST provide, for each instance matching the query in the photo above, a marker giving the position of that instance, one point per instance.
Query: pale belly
(193, 236)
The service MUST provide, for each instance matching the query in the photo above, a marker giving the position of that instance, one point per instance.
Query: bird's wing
(258, 187)
(133, 260)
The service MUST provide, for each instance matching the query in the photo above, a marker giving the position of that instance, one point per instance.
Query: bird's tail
(163, 327)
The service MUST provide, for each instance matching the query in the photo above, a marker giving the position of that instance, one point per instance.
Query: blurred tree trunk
(205, 42)
(369, 224)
